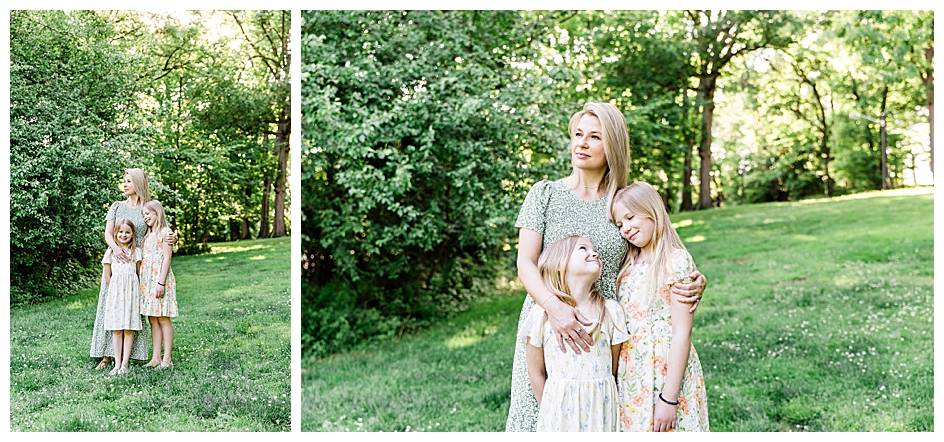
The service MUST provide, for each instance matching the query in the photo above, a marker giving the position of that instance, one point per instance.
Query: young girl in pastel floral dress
(661, 384)
(575, 392)
(158, 286)
(122, 303)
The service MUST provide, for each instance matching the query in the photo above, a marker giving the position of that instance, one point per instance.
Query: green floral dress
(644, 358)
(102, 344)
(552, 210)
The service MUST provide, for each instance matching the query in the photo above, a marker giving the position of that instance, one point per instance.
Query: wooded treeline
(423, 131)
(199, 100)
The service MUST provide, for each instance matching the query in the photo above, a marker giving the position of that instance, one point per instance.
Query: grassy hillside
(231, 354)
(818, 317)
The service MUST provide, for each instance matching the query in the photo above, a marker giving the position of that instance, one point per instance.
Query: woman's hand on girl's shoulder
(170, 237)
(566, 322)
(690, 289)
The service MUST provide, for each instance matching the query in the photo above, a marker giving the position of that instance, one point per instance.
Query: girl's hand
(566, 320)
(690, 293)
(664, 416)
(159, 292)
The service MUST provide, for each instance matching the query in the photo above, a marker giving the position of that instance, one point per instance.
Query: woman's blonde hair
(155, 207)
(641, 199)
(552, 264)
(124, 222)
(140, 183)
(615, 145)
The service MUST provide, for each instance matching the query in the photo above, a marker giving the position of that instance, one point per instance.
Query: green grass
(232, 354)
(818, 317)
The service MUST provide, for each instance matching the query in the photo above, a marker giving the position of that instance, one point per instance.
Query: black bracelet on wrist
(663, 400)
(162, 285)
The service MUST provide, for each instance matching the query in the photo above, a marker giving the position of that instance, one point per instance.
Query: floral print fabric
(552, 210)
(644, 357)
(102, 343)
(580, 393)
(151, 305)
(123, 303)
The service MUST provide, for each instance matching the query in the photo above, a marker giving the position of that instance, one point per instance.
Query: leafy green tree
(415, 126)
(69, 86)
(719, 37)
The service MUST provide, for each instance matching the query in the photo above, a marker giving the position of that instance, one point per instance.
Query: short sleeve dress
(123, 304)
(102, 344)
(554, 211)
(580, 393)
(153, 259)
(643, 363)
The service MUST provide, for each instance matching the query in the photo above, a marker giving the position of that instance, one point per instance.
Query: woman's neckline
(564, 187)
(130, 206)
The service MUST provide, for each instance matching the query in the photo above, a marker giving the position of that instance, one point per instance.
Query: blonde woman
(579, 204)
(135, 188)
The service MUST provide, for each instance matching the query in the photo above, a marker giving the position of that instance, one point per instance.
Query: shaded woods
(423, 131)
(199, 100)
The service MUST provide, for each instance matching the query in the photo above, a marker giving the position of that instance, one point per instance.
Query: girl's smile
(636, 229)
(148, 217)
(584, 258)
(124, 235)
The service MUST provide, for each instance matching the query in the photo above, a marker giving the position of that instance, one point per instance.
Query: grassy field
(818, 317)
(232, 354)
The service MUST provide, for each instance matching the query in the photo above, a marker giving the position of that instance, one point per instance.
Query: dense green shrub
(416, 130)
(68, 84)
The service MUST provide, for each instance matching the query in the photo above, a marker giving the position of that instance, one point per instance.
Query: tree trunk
(264, 215)
(282, 150)
(707, 88)
(687, 170)
(929, 85)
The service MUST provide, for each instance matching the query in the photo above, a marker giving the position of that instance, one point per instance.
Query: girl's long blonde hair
(641, 199)
(553, 267)
(140, 183)
(155, 207)
(615, 145)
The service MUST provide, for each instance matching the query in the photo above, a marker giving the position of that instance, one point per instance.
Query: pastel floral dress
(552, 210)
(643, 359)
(153, 258)
(123, 304)
(580, 393)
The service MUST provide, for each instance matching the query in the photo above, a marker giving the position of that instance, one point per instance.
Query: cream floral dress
(580, 393)
(643, 360)
(150, 272)
(123, 303)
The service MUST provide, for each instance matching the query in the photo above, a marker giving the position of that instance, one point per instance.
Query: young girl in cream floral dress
(575, 392)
